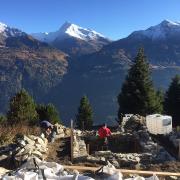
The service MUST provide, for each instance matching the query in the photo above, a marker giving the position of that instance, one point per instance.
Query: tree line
(137, 96)
(23, 109)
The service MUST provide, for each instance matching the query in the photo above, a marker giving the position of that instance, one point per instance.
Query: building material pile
(137, 127)
(25, 147)
(36, 169)
(62, 131)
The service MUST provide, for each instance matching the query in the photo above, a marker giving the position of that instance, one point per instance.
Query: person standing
(104, 132)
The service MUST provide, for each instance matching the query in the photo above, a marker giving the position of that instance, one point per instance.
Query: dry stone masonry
(79, 146)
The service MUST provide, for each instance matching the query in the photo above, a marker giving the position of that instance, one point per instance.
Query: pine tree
(172, 100)
(84, 118)
(137, 94)
(48, 112)
(22, 109)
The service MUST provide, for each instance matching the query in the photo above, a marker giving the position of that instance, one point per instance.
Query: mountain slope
(74, 39)
(28, 63)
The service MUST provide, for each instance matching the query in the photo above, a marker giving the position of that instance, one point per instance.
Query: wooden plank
(87, 148)
(72, 138)
(124, 171)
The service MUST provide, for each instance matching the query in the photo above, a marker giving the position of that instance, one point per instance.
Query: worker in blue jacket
(48, 130)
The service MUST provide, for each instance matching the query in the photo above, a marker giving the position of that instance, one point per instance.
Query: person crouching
(48, 131)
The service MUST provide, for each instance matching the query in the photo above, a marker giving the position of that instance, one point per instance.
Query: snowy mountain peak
(2, 27)
(7, 31)
(161, 31)
(79, 32)
(167, 22)
(69, 30)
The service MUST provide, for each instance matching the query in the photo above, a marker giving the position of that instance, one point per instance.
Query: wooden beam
(123, 171)
(72, 139)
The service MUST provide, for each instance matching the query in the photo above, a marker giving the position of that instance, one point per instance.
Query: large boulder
(134, 123)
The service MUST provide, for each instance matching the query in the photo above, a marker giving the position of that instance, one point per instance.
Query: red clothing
(104, 132)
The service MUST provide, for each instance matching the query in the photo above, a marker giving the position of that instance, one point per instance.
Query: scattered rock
(3, 171)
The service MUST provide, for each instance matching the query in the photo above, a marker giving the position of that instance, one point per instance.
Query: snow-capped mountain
(161, 43)
(161, 31)
(74, 39)
(7, 31)
(69, 30)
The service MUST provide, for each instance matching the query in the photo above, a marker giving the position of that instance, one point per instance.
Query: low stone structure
(79, 147)
(131, 148)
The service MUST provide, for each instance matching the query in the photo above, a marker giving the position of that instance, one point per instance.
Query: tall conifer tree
(172, 100)
(84, 118)
(137, 95)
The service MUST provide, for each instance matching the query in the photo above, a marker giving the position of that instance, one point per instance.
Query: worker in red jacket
(103, 133)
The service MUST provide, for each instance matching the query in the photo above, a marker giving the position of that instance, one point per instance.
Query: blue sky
(113, 18)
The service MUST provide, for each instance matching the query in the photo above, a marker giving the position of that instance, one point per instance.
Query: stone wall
(79, 146)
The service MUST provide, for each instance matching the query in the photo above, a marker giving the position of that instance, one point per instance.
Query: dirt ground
(59, 151)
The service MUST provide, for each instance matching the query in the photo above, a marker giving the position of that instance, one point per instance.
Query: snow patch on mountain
(79, 32)
(160, 31)
(69, 30)
(7, 31)
(2, 27)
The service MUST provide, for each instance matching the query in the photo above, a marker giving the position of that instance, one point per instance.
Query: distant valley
(61, 66)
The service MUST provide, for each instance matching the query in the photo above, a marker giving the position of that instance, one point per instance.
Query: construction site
(133, 152)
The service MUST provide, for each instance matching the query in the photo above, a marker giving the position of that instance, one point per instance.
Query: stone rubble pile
(134, 123)
(31, 146)
(25, 147)
(174, 137)
(62, 131)
(119, 160)
(136, 126)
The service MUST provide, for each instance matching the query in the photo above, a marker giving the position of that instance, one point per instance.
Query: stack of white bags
(35, 169)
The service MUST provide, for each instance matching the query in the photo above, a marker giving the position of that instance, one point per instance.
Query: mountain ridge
(74, 40)
(68, 29)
